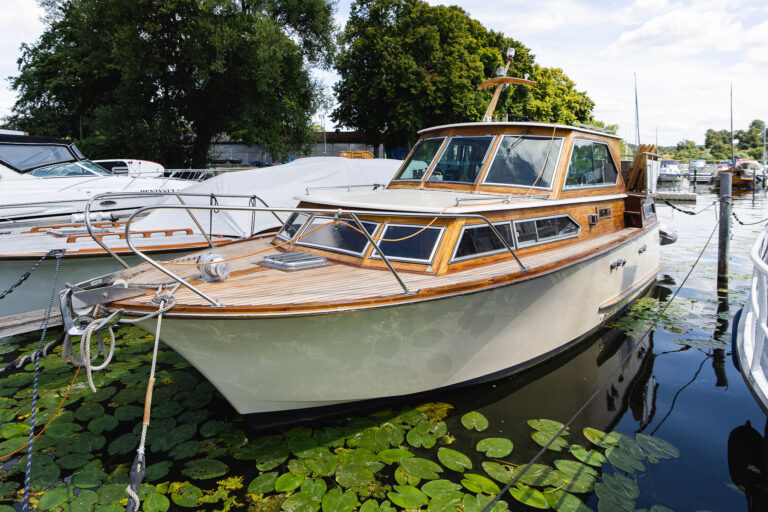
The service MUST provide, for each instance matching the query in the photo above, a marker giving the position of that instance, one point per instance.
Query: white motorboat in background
(132, 167)
(42, 178)
(670, 172)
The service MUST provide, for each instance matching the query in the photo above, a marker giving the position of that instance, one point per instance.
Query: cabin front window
(525, 161)
(292, 226)
(421, 157)
(461, 160)
(407, 242)
(480, 240)
(591, 165)
(344, 236)
(545, 230)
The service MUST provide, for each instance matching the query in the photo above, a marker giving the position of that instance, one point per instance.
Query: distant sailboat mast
(637, 118)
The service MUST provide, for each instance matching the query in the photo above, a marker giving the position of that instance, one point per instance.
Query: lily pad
(621, 485)
(167, 410)
(581, 483)
(500, 472)
(186, 495)
(426, 433)
(660, 508)
(157, 471)
(338, 500)
(156, 503)
(407, 496)
(479, 484)
(413, 417)
(547, 425)
(184, 450)
(104, 423)
(421, 468)
(478, 503)
(454, 460)
(11, 430)
(474, 420)
(263, 484)
(53, 498)
(88, 412)
(73, 460)
(622, 460)
(394, 455)
(573, 468)
(204, 469)
(600, 438)
(564, 501)
(88, 478)
(542, 438)
(58, 430)
(288, 482)
(128, 412)
(537, 474)
(591, 457)
(495, 446)
(123, 444)
(322, 463)
(374, 506)
(88, 442)
(439, 488)
(529, 496)
(657, 447)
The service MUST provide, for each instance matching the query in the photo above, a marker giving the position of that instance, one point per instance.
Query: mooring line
(602, 386)
(58, 252)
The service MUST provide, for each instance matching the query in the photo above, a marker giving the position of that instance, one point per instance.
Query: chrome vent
(295, 260)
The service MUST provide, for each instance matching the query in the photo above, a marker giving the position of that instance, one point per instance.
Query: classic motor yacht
(495, 246)
(43, 178)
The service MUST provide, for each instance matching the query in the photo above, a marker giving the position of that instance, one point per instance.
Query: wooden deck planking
(338, 281)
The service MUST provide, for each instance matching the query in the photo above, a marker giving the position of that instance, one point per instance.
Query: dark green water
(678, 384)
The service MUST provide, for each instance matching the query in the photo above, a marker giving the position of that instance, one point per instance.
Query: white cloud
(20, 22)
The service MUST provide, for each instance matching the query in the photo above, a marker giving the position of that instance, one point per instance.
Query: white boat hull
(284, 363)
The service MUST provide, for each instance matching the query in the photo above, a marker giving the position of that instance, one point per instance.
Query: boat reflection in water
(748, 464)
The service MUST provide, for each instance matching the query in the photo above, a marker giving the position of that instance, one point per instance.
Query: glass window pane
(418, 163)
(292, 226)
(462, 160)
(336, 237)
(556, 227)
(61, 171)
(519, 160)
(525, 232)
(25, 157)
(591, 165)
(482, 240)
(418, 247)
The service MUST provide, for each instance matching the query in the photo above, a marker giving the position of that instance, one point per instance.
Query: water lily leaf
(474, 420)
(659, 508)
(6, 415)
(564, 501)
(657, 447)
(581, 483)
(547, 425)
(591, 457)
(389, 434)
(500, 472)
(537, 474)
(111, 493)
(330, 437)
(88, 412)
(495, 446)
(425, 434)
(394, 455)
(122, 445)
(166, 410)
(157, 471)
(53, 498)
(184, 450)
(353, 474)
(302, 446)
(11, 430)
(454, 460)
(265, 456)
(44, 472)
(611, 502)
(186, 495)
(421, 468)
(288, 482)
(622, 460)
(195, 416)
(156, 503)
(529, 496)
(12, 444)
(316, 487)
(101, 394)
(88, 442)
(88, 478)
(442, 490)
(374, 506)
(413, 417)
(73, 460)
(407, 496)
(600, 438)
(573, 468)
(301, 502)
(197, 401)
(103, 423)
(337, 501)
(203, 469)
(7, 489)
(621, 485)
(263, 484)
(404, 478)
(212, 428)
(83, 502)
(298, 468)
(478, 503)
(128, 412)
(542, 437)
(322, 463)
(59, 430)
(479, 484)
(632, 447)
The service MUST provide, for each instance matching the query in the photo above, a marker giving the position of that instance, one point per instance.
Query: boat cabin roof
(533, 124)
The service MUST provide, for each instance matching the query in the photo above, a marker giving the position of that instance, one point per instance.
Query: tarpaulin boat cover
(277, 186)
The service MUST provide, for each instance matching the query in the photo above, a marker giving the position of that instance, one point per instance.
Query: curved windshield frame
(462, 160)
(420, 159)
(24, 157)
(520, 158)
(69, 170)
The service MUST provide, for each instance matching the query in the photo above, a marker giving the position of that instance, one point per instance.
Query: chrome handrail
(348, 187)
(311, 211)
(506, 199)
(89, 227)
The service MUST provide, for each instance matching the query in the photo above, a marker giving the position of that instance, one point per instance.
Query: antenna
(500, 82)
(637, 118)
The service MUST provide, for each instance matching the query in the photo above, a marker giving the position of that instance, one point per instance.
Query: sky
(686, 54)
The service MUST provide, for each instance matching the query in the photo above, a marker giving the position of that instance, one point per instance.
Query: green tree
(160, 78)
(405, 65)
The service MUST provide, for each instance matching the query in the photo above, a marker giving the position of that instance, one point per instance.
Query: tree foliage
(405, 65)
(159, 79)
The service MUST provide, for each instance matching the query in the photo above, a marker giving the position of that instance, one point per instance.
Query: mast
(637, 118)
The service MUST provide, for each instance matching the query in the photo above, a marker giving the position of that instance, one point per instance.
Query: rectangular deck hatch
(294, 260)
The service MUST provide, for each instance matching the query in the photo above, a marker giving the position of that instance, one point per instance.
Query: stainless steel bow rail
(213, 198)
(335, 213)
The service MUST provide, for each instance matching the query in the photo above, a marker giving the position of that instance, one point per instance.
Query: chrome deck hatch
(294, 260)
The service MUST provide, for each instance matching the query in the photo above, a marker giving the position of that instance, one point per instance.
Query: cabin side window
(480, 240)
(591, 165)
(525, 161)
(461, 160)
(408, 242)
(420, 159)
(545, 230)
(292, 226)
(344, 237)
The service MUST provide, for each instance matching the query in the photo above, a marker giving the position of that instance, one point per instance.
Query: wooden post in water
(725, 210)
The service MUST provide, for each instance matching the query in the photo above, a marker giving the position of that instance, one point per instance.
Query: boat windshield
(73, 169)
(29, 156)
(421, 157)
(525, 161)
(462, 160)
